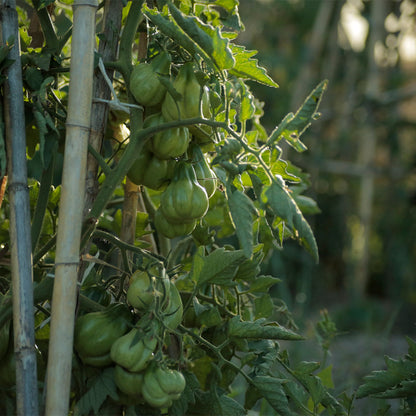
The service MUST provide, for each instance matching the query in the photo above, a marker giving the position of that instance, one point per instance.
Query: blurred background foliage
(361, 155)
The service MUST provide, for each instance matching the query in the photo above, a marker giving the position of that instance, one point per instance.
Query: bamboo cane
(71, 208)
(21, 247)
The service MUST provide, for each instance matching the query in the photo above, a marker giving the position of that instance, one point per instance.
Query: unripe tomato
(188, 86)
(127, 382)
(162, 386)
(184, 200)
(141, 293)
(172, 315)
(150, 171)
(205, 175)
(132, 351)
(172, 230)
(95, 332)
(145, 84)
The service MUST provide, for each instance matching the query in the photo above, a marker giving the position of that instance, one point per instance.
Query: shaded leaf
(102, 387)
(263, 283)
(219, 267)
(284, 206)
(229, 407)
(271, 389)
(242, 210)
(247, 68)
(263, 306)
(381, 381)
(258, 330)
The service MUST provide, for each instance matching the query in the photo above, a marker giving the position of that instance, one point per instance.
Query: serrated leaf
(250, 268)
(284, 206)
(407, 388)
(219, 267)
(229, 5)
(102, 387)
(247, 68)
(271, 389)
(263, 306)
(297, 124)
(229, 407)
(242, 211)
(258, 330)
(172, 30)
(307, 205)
(208, 38)
(380, 381)
(263, 283)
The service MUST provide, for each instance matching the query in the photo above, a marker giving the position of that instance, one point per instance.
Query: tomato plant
(180, 319)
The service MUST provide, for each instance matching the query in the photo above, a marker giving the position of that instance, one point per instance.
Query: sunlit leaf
(247, 68)
(208, 38)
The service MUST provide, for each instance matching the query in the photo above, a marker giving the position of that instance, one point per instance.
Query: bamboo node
(18, 186)
(91, 3)
(85, 127)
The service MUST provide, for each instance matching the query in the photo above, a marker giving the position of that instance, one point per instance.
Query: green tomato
(171, 143)
(205, 175)
(172, 315)
(162, 386)
(172, 382)
(141, 293)
(132, 351)
(95, 332)
(127, 382)
(187, 85)
(153, 393)
(145, 84)
(184, 200)
(172, 230)
(98, 361)
(150, 171)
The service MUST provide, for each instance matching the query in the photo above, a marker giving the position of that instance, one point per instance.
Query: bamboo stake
(71, 208)
(21, 246)
(107, 50)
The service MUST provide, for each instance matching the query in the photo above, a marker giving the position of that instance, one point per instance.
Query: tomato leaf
(247, 68)
(259, 330)
(384, 382)
(263, 283)
(207, 37)
(293, 126)
(242, 210)
(284, 206)
(102, 386)
(271, 388)
(219, 267)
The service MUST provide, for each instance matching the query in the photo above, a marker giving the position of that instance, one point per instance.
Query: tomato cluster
(173, 160)
(112, 338)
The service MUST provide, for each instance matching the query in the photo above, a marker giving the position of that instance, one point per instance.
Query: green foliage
(398, 381)
(211, 318)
